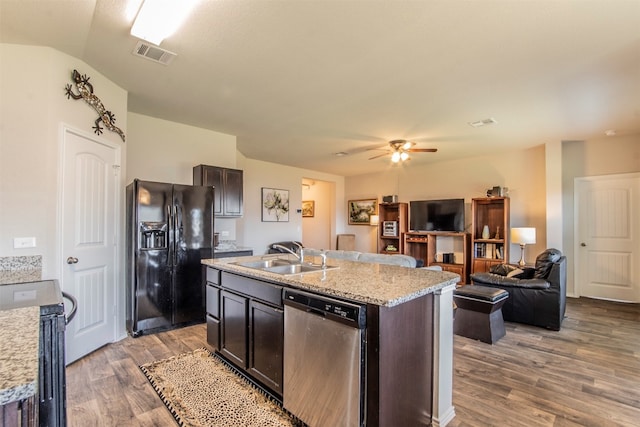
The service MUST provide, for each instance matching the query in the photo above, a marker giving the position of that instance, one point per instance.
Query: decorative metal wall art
(85, 91)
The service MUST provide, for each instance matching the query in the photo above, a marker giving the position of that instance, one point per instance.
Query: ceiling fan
(400, 149)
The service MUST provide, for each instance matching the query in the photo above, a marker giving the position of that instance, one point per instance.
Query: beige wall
(315, 229)
(165, 151)
(257, 174)
(33, 108)
(522, 171)
(605, 156)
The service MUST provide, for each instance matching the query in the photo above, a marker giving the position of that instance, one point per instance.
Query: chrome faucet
(324, 259)
(286, 249)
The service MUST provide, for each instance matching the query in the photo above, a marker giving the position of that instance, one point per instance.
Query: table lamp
(523, 236)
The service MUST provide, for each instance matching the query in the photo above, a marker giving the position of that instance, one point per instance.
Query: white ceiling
(297, 81)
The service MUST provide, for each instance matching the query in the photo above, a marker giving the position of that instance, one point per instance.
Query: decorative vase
(485, 232)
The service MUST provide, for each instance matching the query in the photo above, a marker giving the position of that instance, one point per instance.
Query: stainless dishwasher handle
(74, 307)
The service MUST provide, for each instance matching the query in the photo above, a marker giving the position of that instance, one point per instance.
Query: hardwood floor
(587, 374)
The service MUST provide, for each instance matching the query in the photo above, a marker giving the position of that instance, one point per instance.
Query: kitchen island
(409, 330)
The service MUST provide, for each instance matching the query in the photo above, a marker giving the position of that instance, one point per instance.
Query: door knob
(72, 260)
(583, 244)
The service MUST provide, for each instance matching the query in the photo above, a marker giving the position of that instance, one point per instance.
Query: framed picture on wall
(360, 211)
(308, 208)
(275, 205)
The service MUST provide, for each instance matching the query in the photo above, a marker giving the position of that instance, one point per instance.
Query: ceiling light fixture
(158, 19)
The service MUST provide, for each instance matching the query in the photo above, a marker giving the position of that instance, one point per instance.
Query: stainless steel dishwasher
(323, 360)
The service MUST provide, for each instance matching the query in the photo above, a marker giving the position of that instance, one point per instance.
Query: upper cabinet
(228, 188)
(489, 232)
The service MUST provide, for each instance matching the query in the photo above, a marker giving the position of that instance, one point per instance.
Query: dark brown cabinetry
(394, 220)
(248, 329)
(228, 185)
(449, 250)
(490, 229)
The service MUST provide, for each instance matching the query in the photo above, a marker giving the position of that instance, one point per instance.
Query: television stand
(435, 247)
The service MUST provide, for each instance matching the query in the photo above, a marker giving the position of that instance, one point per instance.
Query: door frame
(118, 331)
(576, 217)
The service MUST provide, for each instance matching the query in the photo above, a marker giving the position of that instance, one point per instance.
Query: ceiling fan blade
(422, 150)
(379, 155)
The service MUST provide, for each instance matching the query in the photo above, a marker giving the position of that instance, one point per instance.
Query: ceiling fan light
(406, 146)
(404, 156)
(395, 157)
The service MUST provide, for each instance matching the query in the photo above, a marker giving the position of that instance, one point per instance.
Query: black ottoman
(479, 312)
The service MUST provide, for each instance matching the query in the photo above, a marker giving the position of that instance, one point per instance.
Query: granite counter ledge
(19, 337)
(378, 284)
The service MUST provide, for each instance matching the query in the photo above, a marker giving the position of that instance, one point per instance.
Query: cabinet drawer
(257, 289)
(213, 276)
(213, 301)
(454, 269)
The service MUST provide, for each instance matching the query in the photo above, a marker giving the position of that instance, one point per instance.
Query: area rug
(199, 389)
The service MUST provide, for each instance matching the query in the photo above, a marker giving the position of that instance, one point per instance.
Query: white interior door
(89, 250)
(608, 237)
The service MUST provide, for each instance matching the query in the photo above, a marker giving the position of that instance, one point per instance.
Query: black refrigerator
(169, 230)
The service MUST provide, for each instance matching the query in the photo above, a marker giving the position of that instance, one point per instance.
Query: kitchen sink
(267, 263)
(284, 266)
(298, 268)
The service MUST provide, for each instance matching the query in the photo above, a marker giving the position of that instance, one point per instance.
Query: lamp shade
(523, 235)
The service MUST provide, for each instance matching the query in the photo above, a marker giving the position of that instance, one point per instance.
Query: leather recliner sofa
(539, 300)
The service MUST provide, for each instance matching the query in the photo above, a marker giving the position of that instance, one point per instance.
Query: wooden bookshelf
(431, 247)
(487, 251)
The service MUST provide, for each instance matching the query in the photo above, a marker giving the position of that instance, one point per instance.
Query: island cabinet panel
(266, 343)
(234, 321)
(248, 329)
(213, 315)
(399, 363)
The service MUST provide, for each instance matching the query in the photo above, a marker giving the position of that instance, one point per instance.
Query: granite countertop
(19, 276)
(19, 336)
(378, 284)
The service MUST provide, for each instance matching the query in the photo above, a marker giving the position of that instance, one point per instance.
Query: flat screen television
(436, 215)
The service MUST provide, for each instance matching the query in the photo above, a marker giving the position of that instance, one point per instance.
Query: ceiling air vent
(153, 53)
(484, 122)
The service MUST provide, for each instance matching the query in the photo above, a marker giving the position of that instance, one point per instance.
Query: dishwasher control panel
(326, 306)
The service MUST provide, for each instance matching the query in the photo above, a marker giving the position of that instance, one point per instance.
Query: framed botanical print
(275, 205)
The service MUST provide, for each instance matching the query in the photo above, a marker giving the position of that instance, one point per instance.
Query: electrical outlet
(224, 233)
(24, 242)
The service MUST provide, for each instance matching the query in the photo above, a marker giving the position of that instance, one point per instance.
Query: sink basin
(296, 269)
(283, 266)
(266, 263)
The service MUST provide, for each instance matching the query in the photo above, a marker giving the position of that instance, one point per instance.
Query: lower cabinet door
(266, 337)
(213, 333)
(233, 339)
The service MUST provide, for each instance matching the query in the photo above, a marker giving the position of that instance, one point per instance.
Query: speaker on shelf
(390, 199)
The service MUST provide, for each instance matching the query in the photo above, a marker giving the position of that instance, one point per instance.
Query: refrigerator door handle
(170, 235)
(176, 235)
